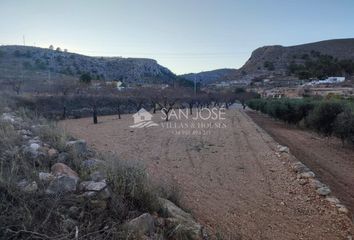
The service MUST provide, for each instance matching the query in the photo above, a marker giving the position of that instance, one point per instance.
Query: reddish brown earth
(327, 158)
(232, 178)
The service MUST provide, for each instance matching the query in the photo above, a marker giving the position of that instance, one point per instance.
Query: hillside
(33, 63)
(210, 76)
(276, 59)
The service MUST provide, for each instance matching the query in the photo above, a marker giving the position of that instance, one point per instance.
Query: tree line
(328, 117)
(320, 66)
(77, 101)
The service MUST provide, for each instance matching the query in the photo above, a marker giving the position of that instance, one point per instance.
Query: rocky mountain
(208, 77)
(34, 62)
(276, 61)
(277, 58)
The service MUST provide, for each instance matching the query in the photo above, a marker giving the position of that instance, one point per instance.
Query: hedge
(327, 117)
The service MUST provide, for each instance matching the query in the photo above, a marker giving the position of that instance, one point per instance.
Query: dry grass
(41, 216)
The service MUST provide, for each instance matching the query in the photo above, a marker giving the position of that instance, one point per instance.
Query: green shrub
(288, 110)
(85, 78)
(323, 116)
(344, 126)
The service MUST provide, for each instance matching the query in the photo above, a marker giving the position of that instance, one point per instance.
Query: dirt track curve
(231, 179)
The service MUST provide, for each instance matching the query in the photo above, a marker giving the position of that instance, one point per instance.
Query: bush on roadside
(344, 126)
(323, 116)
(288, 110)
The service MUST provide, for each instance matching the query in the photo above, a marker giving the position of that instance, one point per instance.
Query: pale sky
(182, 35)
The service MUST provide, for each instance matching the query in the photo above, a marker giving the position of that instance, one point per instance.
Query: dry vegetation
(37, 215)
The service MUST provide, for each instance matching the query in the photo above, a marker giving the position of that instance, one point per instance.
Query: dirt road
(332, 163)
(231, 178)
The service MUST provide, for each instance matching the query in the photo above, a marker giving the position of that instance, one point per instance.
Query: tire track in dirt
(220, 176)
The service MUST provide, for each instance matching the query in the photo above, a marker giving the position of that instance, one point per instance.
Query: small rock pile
(306, 176)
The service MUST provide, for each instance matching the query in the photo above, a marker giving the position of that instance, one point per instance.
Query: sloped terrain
(208, 77)
(29, 63)
(281, 56)
(274, 60)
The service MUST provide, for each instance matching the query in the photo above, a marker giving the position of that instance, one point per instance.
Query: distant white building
(120, 85)
(330, 80)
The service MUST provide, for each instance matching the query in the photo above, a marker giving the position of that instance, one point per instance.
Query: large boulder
(144, 224)
(79, 146)
(182, 224)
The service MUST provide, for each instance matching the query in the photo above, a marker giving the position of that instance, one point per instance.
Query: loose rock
(93, 186)
(306, 175)
(342, 209)
(332, 200)
(283, 149)
(52, 153)
(27, 187)
(299, 167)
(78, 146)
(143, 224)
(60, 169)
(181, 220)
(323, 191)
(45, 177)
(62, 184)
(316, 184)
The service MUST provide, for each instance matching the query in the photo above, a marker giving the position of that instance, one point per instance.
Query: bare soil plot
(332, 163)
(231, 179)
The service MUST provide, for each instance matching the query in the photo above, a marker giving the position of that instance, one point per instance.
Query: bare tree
(137, 98)
(63, 88)
(168, 99)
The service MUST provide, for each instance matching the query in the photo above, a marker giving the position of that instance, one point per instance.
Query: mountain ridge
(273, 60)
(14, 58)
